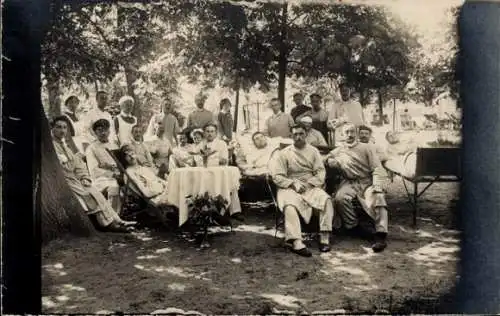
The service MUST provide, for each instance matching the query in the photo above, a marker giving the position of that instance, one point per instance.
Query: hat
(100, 123)
(306, 119)
(124, 99)
(197, 130)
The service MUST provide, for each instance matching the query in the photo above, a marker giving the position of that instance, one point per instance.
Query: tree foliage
(93, 43)
(439, 75)
(245, 44)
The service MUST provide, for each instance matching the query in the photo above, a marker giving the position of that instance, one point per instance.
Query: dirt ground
(248, 272)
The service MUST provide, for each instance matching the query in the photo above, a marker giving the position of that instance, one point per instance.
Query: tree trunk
(363, 96)
(283, 55)
(130, 77)
(236, 107)
(54, 98)
(61, 213)
(380, 101)
(394, 116)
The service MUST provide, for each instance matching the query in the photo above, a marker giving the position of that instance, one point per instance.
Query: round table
(193, 181)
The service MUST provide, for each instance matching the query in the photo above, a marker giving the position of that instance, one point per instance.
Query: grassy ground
(248, 272)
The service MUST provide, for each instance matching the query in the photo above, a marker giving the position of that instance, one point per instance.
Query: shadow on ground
(248, 272)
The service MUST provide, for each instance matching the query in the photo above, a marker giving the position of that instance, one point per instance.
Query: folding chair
(131, 189)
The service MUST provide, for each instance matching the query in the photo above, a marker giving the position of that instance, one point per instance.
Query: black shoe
(238, 216)
(303, 252)
(221, 220)
(324, 247)
(115, 228)
(380, 242)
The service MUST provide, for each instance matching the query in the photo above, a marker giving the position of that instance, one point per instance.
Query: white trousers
(293, 230)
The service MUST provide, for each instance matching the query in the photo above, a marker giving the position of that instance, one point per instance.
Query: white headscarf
(124, 99)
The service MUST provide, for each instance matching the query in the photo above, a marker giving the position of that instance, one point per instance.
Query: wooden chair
(434, 165)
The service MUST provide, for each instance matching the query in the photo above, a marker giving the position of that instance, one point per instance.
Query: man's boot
(298, 247)
(324, 242)
(380, 242)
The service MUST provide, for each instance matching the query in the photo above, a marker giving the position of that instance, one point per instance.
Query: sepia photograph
(250, 157)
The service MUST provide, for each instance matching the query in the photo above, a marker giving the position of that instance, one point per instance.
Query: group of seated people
(98, 175)
(298, 171)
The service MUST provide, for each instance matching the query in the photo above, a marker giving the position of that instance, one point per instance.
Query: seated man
(255, 161)
(314, 137)
(102, 167)
(78, 179)
(299, 174)
(151, 186)
(363, 178)
(365, 136)
(213, 148)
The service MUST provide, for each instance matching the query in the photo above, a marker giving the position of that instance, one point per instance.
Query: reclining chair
(135, 201)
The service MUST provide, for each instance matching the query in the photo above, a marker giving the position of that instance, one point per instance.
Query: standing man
(225, 120)
(299, 173)
(279, 124)
(69, 111)
(318, 114)
(300, 108)
(170, 124)
(98, 113)
(363, 179)
(200, 117)
(347, 111)
(124, 121)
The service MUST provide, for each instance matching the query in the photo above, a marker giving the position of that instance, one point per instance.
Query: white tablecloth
(183, 182)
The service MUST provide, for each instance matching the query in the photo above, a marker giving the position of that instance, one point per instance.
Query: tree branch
(101, 33)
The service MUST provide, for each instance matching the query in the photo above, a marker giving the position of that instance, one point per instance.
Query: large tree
(264, 42)
(93, 43)
(61, 213)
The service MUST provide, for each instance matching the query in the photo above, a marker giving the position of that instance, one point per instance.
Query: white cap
(306, 119)
(125, 99)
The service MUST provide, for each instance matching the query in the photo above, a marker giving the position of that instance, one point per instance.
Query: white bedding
(405, 165)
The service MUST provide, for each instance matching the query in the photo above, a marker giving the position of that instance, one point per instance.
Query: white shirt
(220, 148)
(349, 111)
